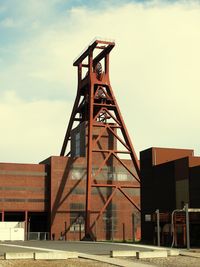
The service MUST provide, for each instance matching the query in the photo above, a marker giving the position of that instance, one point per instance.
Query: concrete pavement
(98, 251)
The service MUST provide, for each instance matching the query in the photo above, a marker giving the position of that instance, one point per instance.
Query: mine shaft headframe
(98, 50)
(96, 105)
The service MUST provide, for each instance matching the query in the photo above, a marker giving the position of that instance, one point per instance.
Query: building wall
(68, 196)
(157, 192)
(181, 173)
(162, 155)
(169, 179)
(194, 187)
(67, 186)
(23, 187)
(164, 184)
(194, 161)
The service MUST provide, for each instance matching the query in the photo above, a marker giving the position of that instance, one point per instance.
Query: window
(77, 215)
(77, 221)
(122, 177)
(78, 173)
(77, 206)
(77, 144)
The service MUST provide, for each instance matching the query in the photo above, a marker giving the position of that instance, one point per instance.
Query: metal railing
(38, 236)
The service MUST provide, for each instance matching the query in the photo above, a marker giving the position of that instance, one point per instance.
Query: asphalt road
(94, 248)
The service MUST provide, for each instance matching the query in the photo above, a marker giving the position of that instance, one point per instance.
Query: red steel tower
(96, 108)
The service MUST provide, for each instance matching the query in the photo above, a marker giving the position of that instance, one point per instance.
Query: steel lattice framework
(96, 104)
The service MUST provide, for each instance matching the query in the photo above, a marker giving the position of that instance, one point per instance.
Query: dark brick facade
(169, 179)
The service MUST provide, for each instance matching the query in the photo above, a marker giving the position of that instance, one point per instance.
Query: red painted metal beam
(127, 168)
(101, 166)
(89, 156)
(127, 196)
(121, 141)
(106, 204)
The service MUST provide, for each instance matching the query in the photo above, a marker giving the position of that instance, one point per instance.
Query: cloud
(31, 131)
(154, 73)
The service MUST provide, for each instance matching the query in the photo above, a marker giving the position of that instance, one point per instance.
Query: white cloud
(154, 74)
(31, 131)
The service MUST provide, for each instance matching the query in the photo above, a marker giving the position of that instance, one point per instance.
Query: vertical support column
(95, 229)
(107, 65)
(79, 74)
(79, 230)
(133, 226)
(65, 230)
(175, 233)
(187, 226)
(158, 226)
(3, 216)
(184, 235)
(89, 153)
(123, 232)
(26, 225)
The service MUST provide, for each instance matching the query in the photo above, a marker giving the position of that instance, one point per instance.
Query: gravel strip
(52, 263)
(173, 261)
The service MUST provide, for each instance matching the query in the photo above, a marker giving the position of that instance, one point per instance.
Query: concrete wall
(12, 231)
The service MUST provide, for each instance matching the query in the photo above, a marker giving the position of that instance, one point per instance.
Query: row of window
(103, 175)
(22, 173)
(23, 188)
(105, 191)
(105, 168)
(22, 200)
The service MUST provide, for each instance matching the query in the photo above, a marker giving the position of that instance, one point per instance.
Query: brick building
(169, 179)
(50, 197)
(24, 190)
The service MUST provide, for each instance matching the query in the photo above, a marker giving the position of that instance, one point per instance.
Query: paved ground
(98, 252)
(93, 254)
(94, 248)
